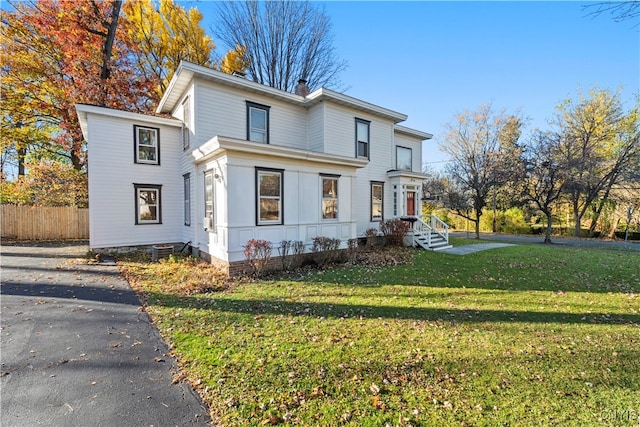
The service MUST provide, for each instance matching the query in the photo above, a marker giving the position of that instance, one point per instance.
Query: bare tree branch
(619, 10)
(284, 40)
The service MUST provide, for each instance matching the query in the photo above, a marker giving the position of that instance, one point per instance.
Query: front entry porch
(428, 232)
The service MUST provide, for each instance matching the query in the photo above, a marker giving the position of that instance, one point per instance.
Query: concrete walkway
(469, 249)
(556, 240)
(79, 350)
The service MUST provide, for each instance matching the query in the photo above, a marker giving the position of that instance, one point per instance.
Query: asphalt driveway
(77, 348)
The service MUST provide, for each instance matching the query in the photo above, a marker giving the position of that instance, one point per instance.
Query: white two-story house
(233, 160)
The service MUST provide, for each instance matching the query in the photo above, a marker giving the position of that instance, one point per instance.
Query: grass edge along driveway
(526, 335)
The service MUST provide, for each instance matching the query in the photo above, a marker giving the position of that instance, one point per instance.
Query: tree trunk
(22, 153)
(576, 218)
(547, 234)
(107, 49)
(76, 161)
(612, 232)
(477, 224)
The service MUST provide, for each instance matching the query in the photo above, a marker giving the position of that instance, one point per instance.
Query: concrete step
(440, 248)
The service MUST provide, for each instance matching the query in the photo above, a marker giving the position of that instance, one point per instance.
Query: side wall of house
(193, 219)
(112, 175)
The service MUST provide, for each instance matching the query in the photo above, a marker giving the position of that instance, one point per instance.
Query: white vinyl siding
(112, 202)
(316, 128)
(223, 111)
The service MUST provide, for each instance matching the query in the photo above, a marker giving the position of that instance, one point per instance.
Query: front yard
(523, 335)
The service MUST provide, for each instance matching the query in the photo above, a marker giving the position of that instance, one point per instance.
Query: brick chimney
(301, 88)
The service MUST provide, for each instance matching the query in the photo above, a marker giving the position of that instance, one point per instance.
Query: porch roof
(219, 144)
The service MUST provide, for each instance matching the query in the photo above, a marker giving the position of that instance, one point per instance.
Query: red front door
(411, 203)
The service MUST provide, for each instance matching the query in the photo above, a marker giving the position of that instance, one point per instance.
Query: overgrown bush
(394, 231)
(325, 250)
(352, 250)
(257, 253)
(371, 234)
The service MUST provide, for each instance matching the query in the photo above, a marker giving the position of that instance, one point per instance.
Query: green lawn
(522, 335)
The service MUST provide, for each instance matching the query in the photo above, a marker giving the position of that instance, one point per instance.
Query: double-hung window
(147, 145)
(329, 196)
(403, 158)
(148, 203)
(377, 199)
(186, 123)
(187, 198)
(362, 138)
(269, 189)
(208, 200)
(257, 122)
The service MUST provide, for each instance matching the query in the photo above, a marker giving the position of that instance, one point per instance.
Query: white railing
(425, 228)
(422, 228)
(437, 225)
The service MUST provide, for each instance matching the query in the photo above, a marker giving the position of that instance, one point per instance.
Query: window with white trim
(186, 123)
(329, 197)
(147, 145)
(377, 199)
(148, 203)
(187, 198)
(257, 122)
(362, 138)
(403, 158)
(209, 194)
(269, 204)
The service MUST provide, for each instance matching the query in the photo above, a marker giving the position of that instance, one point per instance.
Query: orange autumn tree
(57, 54)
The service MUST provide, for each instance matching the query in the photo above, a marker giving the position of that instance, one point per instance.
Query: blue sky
(430, 60)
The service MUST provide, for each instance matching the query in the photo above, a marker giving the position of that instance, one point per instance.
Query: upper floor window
(362, 138)
(147, 145)
(403, 158)
(186, 119)
(330, 197)
(257, 122)
(377, 199)
(269, 196)
(148, 199)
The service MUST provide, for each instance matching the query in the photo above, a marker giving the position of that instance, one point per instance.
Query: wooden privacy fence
(44, 222)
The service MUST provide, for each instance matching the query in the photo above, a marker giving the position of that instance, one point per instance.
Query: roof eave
(323, 94)
(413, 132)
(83, 111)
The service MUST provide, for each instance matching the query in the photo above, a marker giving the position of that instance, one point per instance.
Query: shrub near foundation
(258, 253)
(394, 231)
